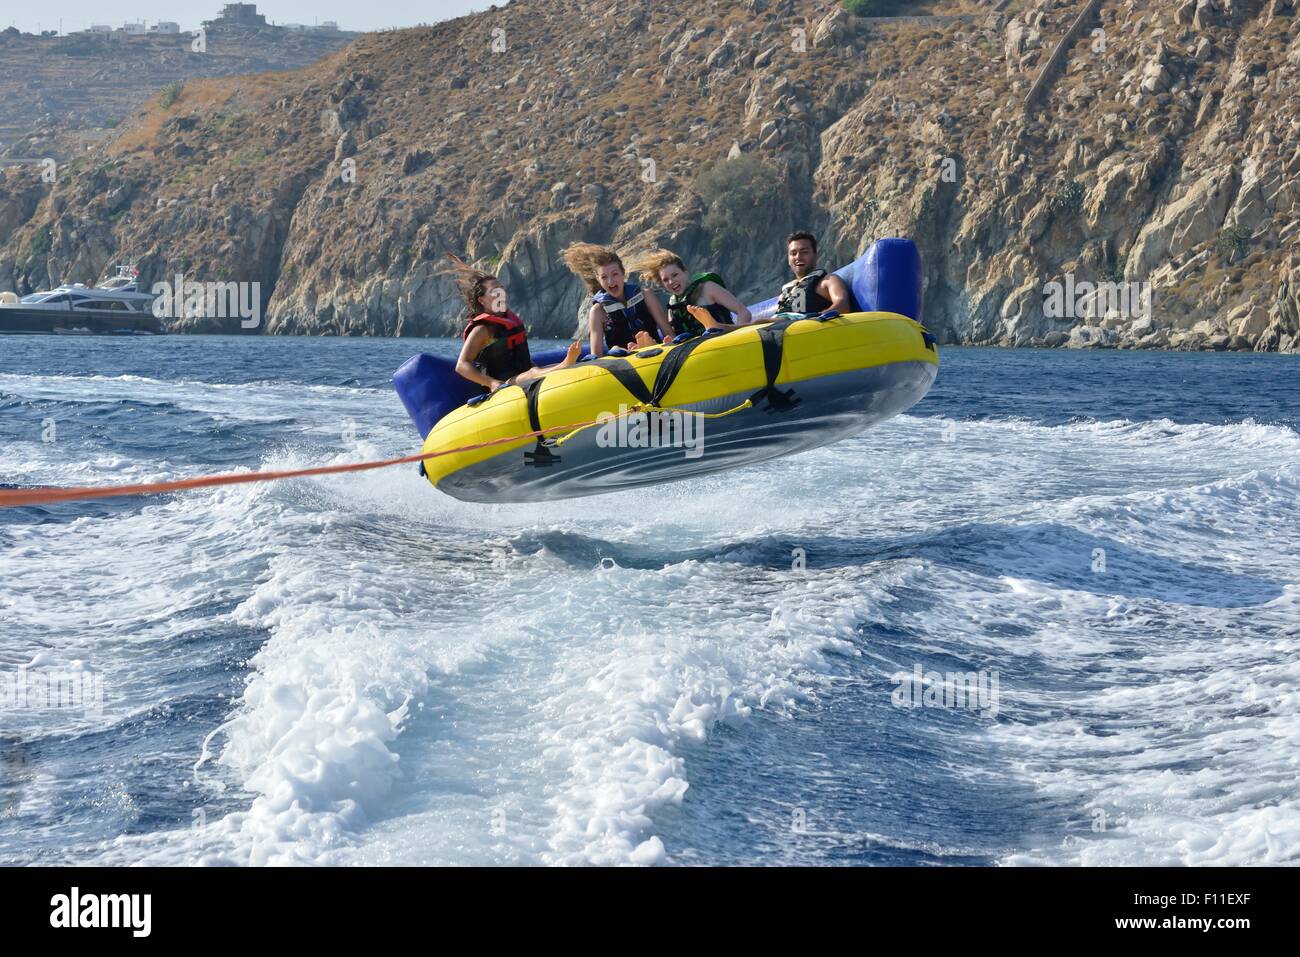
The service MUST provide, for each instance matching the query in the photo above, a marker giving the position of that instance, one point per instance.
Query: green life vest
(680, 317)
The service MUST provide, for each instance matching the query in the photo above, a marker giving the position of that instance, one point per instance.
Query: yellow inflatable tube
(831, 378)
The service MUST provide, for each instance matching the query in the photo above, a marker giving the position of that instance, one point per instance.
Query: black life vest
(680, 316)
(506, 354)
(623, 320)
(801, 295)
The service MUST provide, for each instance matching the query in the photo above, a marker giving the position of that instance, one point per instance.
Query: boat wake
(353, 670)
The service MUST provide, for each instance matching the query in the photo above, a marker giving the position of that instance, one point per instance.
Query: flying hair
(471, 282)
(585, 259)
(649, 264)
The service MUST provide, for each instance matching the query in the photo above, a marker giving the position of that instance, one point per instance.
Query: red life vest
(506, 354)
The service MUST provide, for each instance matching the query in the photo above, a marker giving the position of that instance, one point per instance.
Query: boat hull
(19, 321)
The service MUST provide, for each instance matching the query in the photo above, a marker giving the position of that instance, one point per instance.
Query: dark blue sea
(1051, 615)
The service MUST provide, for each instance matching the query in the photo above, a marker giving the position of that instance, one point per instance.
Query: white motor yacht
(114, 307)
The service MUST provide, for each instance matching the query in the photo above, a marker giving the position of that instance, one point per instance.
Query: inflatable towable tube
(720, 401)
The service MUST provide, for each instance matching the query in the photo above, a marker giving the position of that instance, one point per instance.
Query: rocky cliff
(1022, 144)
(59, 94)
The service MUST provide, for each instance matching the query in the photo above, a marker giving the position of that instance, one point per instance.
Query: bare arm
(837, 291)
(596, 323)
(724, 298)
(474, 343)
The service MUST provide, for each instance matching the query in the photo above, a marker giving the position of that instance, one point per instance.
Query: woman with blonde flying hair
(698, 302)
(495, 352)
(621, 315)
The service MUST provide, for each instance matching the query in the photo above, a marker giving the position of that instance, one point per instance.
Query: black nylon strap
(541, 456)
(626, 375)
(671, 366)
(772, 338)
(619, 368)
(531, 388)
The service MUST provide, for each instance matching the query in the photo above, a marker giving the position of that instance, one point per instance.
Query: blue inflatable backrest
(430, 387)
(888, 278)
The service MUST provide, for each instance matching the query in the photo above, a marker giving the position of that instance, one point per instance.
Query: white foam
(448, 683)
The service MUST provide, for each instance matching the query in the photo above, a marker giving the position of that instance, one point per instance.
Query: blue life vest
(623, 320)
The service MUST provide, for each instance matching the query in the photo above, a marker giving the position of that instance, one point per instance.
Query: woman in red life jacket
(495, 352)
(622, 316)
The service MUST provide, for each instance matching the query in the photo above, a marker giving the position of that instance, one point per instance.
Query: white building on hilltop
(327, 26)
(161, 28)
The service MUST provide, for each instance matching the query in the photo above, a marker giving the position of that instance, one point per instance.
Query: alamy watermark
(182, 299)
(651, 430)
(49, 167)
(1095, 300)
(129, 911)
(52, 689)
(969, 690)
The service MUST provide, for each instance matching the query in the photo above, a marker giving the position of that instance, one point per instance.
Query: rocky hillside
(1020, 143)
(58, 94)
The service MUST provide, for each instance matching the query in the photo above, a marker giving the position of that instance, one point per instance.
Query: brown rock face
(1158, 153)
(59, 93)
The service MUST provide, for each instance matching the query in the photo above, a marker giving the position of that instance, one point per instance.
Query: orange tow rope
(49, 495)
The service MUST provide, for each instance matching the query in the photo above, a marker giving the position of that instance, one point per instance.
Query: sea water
(757, 667)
